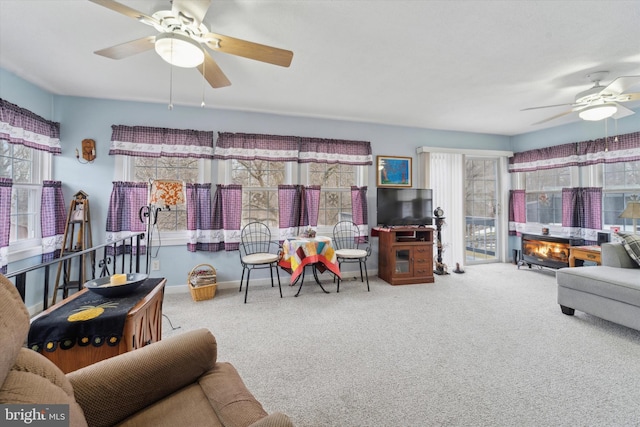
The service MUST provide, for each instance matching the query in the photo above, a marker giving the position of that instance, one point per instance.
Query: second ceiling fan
(600, 102)
(182, 39)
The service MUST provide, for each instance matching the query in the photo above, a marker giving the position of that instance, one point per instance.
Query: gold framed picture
(393, 171)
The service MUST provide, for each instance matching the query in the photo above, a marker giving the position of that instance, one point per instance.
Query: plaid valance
(622, 148)
(145, 141)
(244, 146)
(21, 126)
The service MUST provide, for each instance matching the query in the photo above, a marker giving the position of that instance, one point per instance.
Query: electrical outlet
(155, 265)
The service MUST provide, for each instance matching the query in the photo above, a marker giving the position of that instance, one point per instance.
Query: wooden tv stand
(405, 254)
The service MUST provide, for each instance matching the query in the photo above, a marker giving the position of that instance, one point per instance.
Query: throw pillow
(631, 243)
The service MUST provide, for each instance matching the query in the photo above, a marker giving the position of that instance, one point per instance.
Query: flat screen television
(404, 206)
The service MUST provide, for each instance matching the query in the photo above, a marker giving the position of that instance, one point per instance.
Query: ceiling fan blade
(129, 48)
(621, 84)
(246, 49)
(622, 112)
(546, 106)
(195, 9)
(553, 117)
(631, 97)
(212, 72)
(126, 10)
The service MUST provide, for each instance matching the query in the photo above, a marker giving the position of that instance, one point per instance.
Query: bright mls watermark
(34, 415)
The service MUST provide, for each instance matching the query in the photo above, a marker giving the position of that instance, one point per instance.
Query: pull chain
(171, 79)
(204, 69)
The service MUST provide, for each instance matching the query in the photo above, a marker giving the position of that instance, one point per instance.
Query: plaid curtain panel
(5, 221)
(359, 209)
(123, 216)
(298, 206)
(243, 146)
(146, 141)
(319, 150)
(52, 219)
(582, 212)
(228, 216)
(622, 148)
(201, 235)
(291, 207)
(312, 204)
(213, 226)
(517, 212)
(21, 126)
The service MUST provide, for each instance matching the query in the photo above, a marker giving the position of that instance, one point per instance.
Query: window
(171, 223)
(259, 180)
(335, 195)
(544, 194)
(621, 183)
(184, 169)
(27, 167)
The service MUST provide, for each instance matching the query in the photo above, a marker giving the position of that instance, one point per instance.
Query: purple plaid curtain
(291, 210)
(582, 212)
(359, 209)
(244, 146)
(145, 141)
(298, 206)
(545, 158)
(214, 227)
(622, 148)
(227, 215)
(5, 221)
(319, 150)
(52, 219)
(517, 211)
(312, 203)
(21, 126)
(123, 217)
(201, 235)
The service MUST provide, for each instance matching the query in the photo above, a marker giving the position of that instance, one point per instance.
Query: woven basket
(202, 282)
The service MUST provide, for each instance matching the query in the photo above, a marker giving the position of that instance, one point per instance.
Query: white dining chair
(350, 246)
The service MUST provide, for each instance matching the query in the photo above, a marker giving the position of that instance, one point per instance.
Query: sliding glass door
(482, 210)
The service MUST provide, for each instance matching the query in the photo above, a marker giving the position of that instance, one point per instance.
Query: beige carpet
(486, 348)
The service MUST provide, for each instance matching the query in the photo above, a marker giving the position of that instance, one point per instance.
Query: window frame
(554, 191)
(42, 170)
(124, 170)
(296, 174)
(625, 190)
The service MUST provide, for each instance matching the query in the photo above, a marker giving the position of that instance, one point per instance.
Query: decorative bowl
(104, 287)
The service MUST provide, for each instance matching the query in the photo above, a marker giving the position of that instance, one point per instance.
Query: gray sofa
(610, 291)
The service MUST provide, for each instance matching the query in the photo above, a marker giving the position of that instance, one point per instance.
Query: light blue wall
(82, 118)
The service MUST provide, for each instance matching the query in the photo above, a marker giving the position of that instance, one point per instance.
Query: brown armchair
(176, 381)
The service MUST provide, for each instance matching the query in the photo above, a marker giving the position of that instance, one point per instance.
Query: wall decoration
(393, 171)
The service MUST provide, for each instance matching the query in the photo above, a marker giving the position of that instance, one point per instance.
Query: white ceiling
(455, 65)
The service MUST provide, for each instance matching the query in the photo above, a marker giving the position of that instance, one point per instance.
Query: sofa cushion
(34, 379)
(233, 402)
(14, 325)
(113, 389)
(631, 243)
(620, 284)
(187, 407)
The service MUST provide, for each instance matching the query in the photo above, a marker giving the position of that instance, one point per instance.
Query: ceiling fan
(182, 39)
(600, 102)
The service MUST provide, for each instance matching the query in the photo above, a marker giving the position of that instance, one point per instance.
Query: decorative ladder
(77, 238)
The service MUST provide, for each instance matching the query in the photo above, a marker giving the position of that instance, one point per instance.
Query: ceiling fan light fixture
(598, 112)
(179, 50)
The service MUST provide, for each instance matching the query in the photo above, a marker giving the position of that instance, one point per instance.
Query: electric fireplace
(546, 251)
